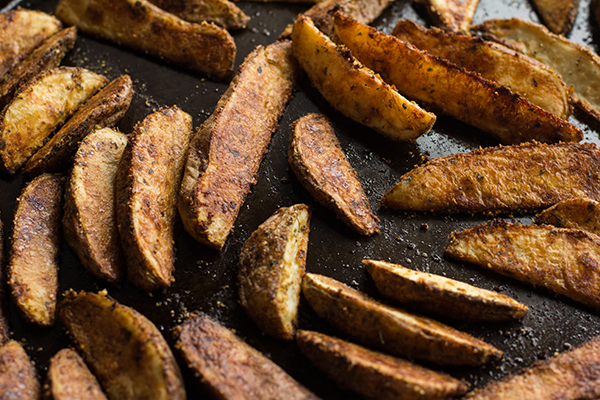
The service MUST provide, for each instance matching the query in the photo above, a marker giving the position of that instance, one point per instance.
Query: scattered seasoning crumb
(424, 227)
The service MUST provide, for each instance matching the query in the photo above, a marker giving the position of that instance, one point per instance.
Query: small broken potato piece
(35, 247)
(453, 15)
(124, 349)
(271, 267)
(442, 296)
(18, 377)
(317, 159)
(221, 12)
(558, 15)
(70, 379)
(575, 213)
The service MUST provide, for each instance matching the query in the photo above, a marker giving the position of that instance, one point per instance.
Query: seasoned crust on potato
(70, 379)
(452, 15)
(575, 213)
(221, 12)
(4, 314)
(18, 378)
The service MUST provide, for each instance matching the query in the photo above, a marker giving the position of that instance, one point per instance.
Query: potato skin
(575, 213)
(558, 15)
(70, 379)
(452, 15)
(18, 378)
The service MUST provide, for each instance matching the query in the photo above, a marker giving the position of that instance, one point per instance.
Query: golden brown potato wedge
(453, 15)
(461, 94)
(227, 150)
(317, 159)
(204, 47)
(90, 221)
(35, 247)
(230, 368)
(18, 378)
(562, 260)
(148, 180)
(41, 106)
(104, 109)
(124, 349)
(393, 330)
(221, 12)
(558, 15)
(271, 266)
(375, 375)
(434, 294)
(524, 75)
(354, 90)
(523, 177)
(4, 314)
(70, 379)
(576, 213)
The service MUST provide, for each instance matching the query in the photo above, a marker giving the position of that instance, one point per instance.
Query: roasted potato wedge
(70, 379)
(271, 266)
(459, 93)
(230, 368)
(35, 247)
(221, 12)
(558, 15)
(104, 109)
(204, 47)
(393, 330)
(124, 349)
(375, 375)
(90, 221)
(227, 150)
(562, 260)
(453, 15)
(147, 185)
(354, 90)
(18, 378)
(444, 297)
(576, 213)
(39, 108)
(4, 314)
(317, 159)
(529, 176)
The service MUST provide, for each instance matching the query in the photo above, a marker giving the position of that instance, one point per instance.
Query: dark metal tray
(206, 280)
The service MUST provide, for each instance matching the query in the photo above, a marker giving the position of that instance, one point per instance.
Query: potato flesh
(576, 213)
(454, 15)
(70, 379)
(221, 12)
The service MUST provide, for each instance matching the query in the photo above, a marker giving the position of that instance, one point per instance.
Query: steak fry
(227, 150)
(18, 378)
(496, 179)
(576, 213)
(70, 379)
(221, 12)
(453, 15)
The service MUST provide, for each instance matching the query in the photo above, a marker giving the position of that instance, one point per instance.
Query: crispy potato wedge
(271, 266)
(70, 379)
(4, 314)
(39, 108)
(571, 375)
(230, 368)
(522, 74)
(375, 375)
(393, 330)
(147, 185)
(558, 15)
(453, 15)
(35, 247)
(18, 378)
(562, 260)
(124, 349)
(461, 94)
(227, 150)
(104, 109)
(529, 176)
(90, 221)
(21, 31)
(317, 159)
(221, 12)
(445, 297)
(354, 90)
(576, 213)
(138, 24)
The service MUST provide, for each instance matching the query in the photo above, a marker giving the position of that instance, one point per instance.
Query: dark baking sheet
(205, 279)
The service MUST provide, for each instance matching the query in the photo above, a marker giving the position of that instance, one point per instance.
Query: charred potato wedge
(39, 108)
(558, 15)
(35, 247)
(148, 180)
(393, 330)
(230, 368)
(576, 213)
(90, 221)
(271, 266)
(124, 349)
(221, 12)
(18, 378)
(70, 379)
(452, 15)
(444, 297)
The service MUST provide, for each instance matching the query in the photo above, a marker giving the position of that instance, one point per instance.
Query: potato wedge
(562, 260)
(271, 266)
(375, 375)
(227, 150)
(138, 24)
(576, 213)
(39, 108)
(104, 109)
(221, 12)
(35, 247)
(393, 330)
(317, 159)
(148, 180)
(90, 221)
(558, 15)
(523, 177)
(18, 378)
(124, 349)
(230, 368)
(461, 94)
(354, 90)
(444, 297)
(4, 313)
(70, 379)
(524, 75)
(453, 15)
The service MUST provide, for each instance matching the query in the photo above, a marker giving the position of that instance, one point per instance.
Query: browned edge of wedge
(575, 213)
(221, 12)
(453, 15)
(69, 378)
(18, 377)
